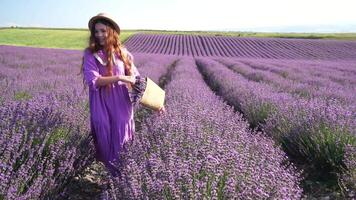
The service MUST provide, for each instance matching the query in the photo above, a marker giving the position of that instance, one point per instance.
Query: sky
(204, 15)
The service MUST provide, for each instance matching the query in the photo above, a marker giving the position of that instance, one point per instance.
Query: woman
(109, 71)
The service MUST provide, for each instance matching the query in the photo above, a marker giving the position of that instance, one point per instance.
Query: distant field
(77, 38)
(52, 38)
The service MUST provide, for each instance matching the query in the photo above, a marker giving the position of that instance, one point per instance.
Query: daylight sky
(233, 15)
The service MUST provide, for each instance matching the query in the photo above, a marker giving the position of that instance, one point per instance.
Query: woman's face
(101, 33)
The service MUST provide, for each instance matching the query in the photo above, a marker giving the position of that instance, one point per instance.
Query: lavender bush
(42, 147)
(348, 178)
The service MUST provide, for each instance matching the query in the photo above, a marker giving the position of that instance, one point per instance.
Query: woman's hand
(131, 79)
(162, 110)
(128, 79)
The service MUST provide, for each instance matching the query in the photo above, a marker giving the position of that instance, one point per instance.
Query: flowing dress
(111, 111)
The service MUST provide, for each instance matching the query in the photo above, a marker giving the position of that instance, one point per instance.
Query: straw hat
(106, 17)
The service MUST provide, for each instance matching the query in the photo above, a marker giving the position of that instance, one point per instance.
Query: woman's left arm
(135, 71)
(134, 68)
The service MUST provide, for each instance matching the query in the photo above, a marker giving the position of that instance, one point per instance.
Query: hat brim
(96, 18)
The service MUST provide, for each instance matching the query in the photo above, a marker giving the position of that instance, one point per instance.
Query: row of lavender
(45, 139)
(303, 79)
(316, 129)
(202, 149)
(225, 46)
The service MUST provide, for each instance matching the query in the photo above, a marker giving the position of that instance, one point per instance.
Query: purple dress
(111, 111)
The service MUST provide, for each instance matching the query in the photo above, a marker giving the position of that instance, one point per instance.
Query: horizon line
(225, 31)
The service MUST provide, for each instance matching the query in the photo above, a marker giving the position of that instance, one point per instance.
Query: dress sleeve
(90, 71)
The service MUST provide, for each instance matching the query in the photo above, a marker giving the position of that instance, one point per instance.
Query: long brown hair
(112, 47)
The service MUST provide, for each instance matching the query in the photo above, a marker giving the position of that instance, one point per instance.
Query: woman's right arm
(105, 80)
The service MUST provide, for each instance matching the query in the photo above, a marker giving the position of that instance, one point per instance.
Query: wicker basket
(154, 96)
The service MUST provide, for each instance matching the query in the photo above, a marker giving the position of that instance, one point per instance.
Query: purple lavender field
(244, 117)
(227, 46)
